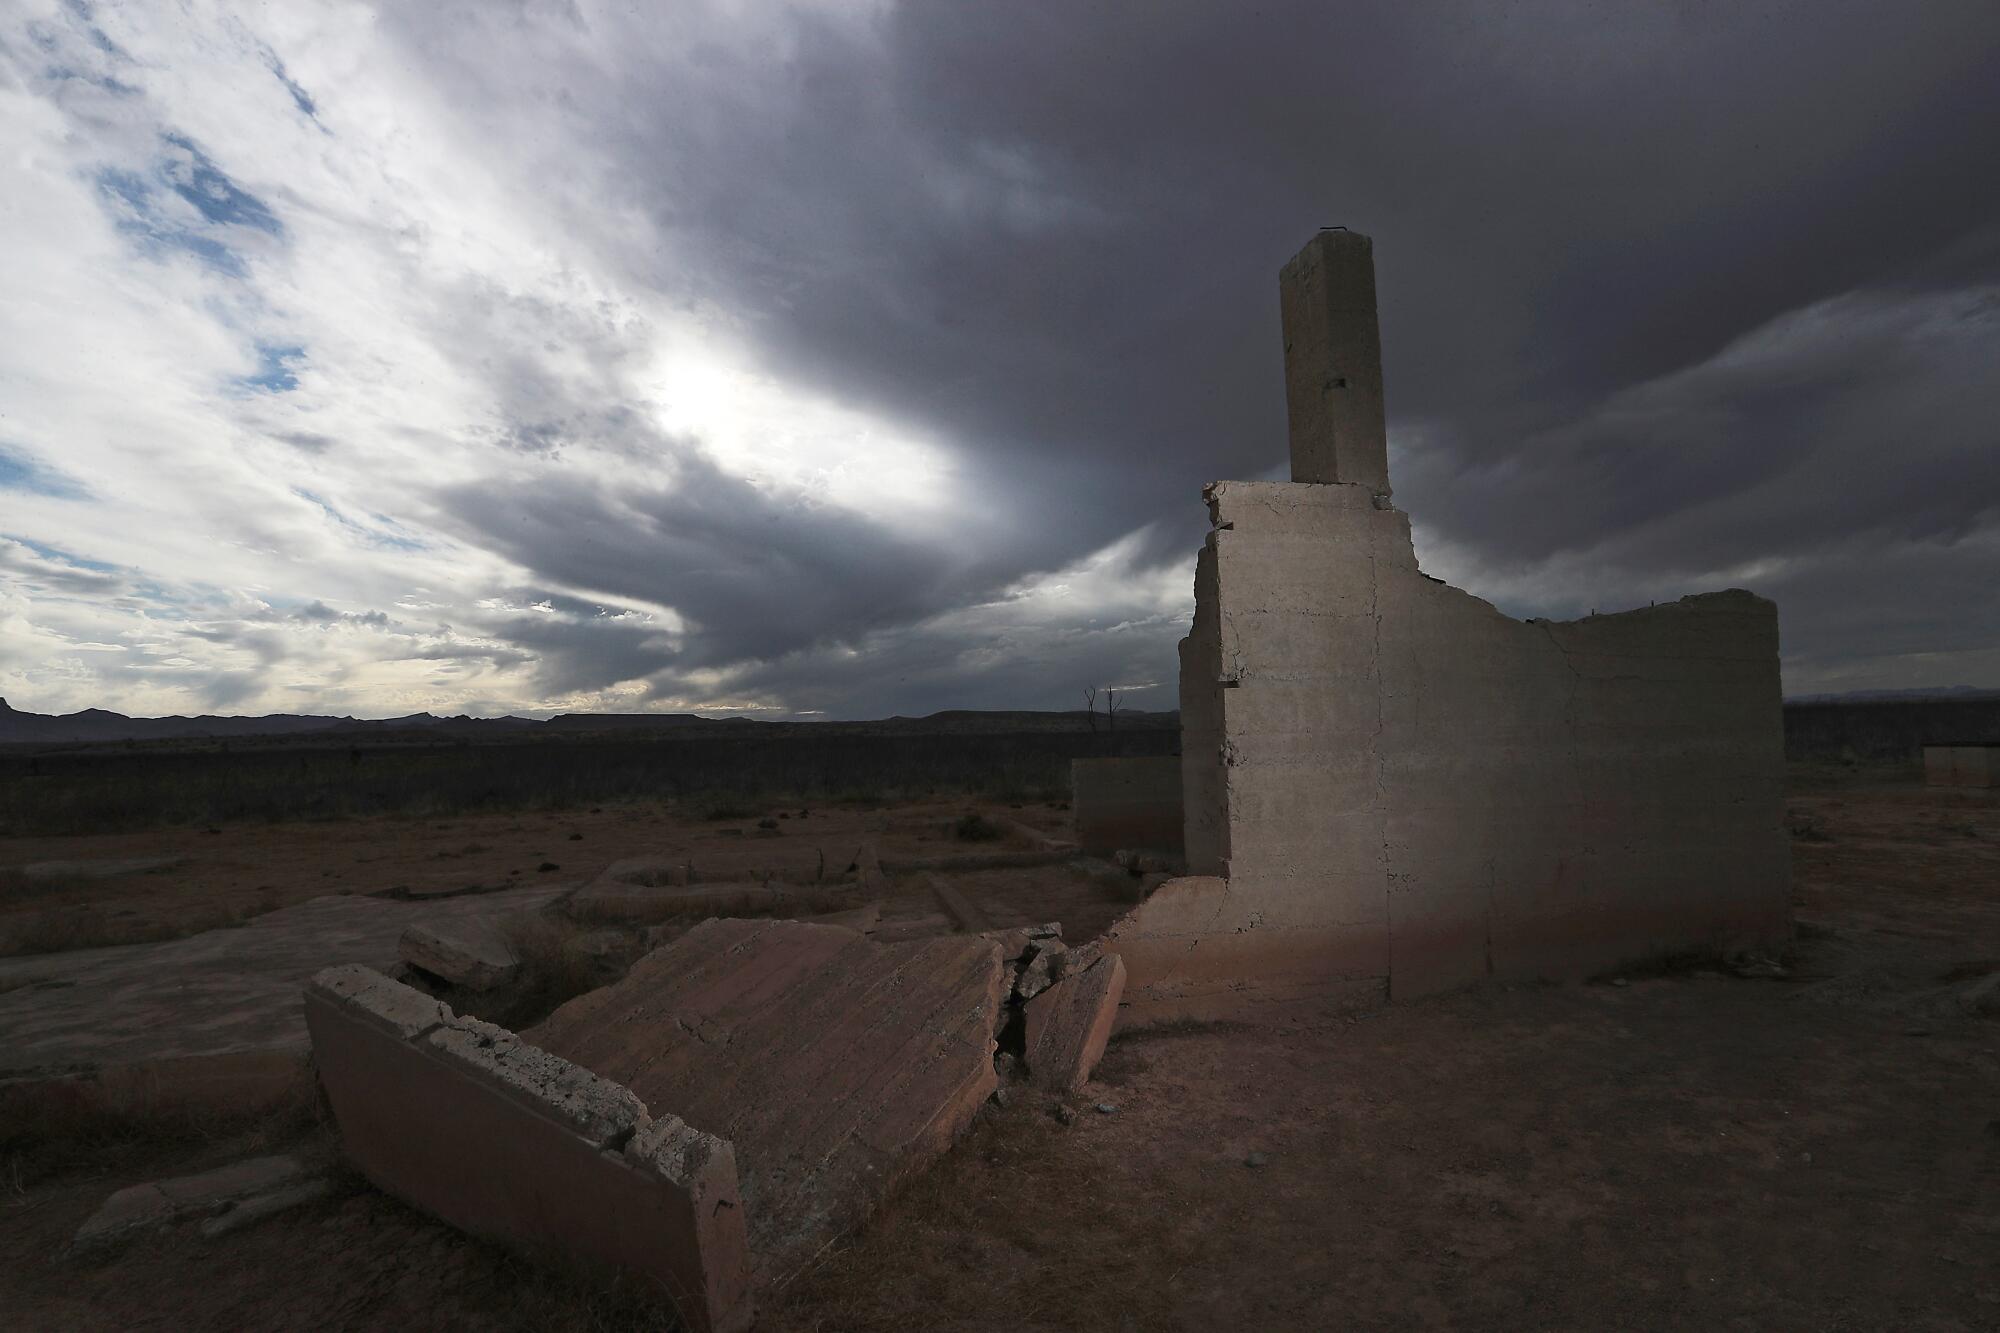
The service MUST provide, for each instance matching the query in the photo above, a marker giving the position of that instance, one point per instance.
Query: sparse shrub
(975, 827)
(555, 967)
(767, 823)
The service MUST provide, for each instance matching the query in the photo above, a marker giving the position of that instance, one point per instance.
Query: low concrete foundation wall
(1126, 803)
(1962, 765)
(502, 1139)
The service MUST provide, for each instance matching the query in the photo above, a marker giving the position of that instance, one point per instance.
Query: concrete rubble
(473, 952)
(1390, 788)
(1069, 1023)
(227, 1199)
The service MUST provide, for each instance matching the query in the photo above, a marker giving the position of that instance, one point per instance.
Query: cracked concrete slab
(834, 1065)
(213, 1020)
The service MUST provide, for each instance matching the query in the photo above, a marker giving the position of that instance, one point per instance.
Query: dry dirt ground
(1689, 1149)
(220, 876)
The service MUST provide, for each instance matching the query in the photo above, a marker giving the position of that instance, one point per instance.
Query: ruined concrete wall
(1120, 803)
(502, 1139)
(1203, 832)
(1413, 791)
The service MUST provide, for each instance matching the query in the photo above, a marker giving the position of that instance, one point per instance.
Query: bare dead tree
(1111, 708)
(1090, 707)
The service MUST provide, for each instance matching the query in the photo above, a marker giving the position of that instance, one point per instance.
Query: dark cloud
(1690, 287)
(756, 575)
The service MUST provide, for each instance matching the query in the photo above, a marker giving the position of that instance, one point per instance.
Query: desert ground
(1806, 1142)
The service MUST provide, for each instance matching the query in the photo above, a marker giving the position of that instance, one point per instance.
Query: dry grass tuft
(968, 1243)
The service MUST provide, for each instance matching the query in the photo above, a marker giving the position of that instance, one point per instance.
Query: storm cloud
(851, 359)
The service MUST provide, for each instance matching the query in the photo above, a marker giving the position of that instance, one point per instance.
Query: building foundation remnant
(1392, 788)
(1968, 765)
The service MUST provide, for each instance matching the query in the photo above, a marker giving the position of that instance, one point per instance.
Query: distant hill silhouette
(97, 725)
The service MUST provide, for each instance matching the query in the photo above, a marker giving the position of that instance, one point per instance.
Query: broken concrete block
(1015, 940)
(133, 1209)
(468, 951)
(1069, 1023)
(372, 998)
(162, 1202)
(1042, 968)
(592, 1108)
(833, 1065)
(504, 1140)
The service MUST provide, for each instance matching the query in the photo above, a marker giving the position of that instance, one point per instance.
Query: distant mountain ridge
(1942, 693)
(97, 725)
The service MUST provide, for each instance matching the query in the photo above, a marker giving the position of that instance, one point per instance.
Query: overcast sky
(856, 359)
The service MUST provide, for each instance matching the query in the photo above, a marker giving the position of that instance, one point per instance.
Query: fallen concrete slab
(834, 1065)
(472, 952)
(505, 1140)
(1069, 1023)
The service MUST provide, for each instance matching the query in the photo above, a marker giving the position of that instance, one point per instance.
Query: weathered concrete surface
(104, 868)
(1120, 803)
(1069, 1023)
(1391, 785)
(263, 1185)
(209, 1021)
(505, 1140)
(1333, 362)
(472, 952)
(835, 1066)
(1962, 765)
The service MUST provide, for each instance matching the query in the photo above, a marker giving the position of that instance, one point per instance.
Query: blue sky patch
(134, 201)
(219, 199)
(48, 552)
(275, 374)
(22, 471)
